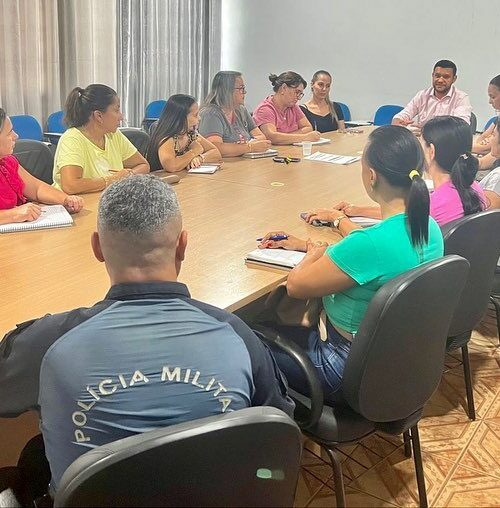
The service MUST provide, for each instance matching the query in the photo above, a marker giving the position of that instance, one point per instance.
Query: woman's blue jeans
(329, 358)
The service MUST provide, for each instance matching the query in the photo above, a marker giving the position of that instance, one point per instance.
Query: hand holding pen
(281, 240)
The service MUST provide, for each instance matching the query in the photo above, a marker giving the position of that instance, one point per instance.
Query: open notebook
(278, 258)
(53, 216)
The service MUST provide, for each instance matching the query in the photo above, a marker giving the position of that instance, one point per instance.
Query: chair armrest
(278, 340)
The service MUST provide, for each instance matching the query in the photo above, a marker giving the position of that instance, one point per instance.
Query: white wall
(378, 51)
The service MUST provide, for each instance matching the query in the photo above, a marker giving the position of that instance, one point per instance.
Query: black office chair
(394, 365)
(473, 123)
(36, 157)
(495, 298)
(249, 457)
(476, 238)
(138, 138)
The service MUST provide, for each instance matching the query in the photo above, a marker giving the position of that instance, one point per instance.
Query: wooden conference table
(54, 270)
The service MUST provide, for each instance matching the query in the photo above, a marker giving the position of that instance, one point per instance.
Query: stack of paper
(278, 258)
(321, 141)
(270, 152)
(205, 169)
(332, 158)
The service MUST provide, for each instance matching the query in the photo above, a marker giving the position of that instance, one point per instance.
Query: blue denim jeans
(328, 357)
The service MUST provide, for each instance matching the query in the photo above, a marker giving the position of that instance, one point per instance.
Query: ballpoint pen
(275, 238)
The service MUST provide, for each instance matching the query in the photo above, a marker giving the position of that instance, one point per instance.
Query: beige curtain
(166, 47)
(87, 41)
(29, 57)
(51, 46)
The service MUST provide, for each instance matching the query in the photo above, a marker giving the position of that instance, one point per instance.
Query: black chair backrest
(396, 359)
(138, 137)
(473, 123)
(476, 238)
(249, 457)
(36, 157)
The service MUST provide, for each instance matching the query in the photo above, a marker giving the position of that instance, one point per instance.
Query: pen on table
(276, 238)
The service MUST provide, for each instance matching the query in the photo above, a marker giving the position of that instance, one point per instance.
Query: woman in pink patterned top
(279, 117)
(17, 186)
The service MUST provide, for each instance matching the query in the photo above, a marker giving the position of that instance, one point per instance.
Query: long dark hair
(81, 103)
(395, 153)
(172, 122)
(452, 140)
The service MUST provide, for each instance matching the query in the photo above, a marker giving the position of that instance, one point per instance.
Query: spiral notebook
(277, 258)
(53, 216)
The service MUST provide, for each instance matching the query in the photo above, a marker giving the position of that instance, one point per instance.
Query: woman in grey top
(224, 120)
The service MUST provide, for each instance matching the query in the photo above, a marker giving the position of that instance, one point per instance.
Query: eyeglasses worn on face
(242, 89)
(298, 93)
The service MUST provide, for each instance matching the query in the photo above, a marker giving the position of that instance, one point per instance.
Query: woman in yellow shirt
(93, 153)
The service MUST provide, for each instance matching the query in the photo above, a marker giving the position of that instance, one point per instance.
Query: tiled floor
(461, 458)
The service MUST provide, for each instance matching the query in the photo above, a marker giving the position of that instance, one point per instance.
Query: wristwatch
(336, 221)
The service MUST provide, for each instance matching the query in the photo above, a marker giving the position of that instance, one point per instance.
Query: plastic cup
(306, 148)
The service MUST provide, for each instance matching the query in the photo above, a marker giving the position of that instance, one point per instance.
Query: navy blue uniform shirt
(145, 357)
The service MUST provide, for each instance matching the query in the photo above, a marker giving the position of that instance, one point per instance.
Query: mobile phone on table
(316, 222)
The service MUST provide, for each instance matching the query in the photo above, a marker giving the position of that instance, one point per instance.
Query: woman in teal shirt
(348, 274)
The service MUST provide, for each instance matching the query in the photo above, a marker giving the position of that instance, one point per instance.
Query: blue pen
(276, 238)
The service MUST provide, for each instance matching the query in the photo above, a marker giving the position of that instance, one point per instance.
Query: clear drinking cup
(306, 148)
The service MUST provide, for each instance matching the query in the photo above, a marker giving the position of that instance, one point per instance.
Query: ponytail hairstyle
(333, 113)
(395, 153)
(3, 116)
(81, 103)
(452, 140)
(172, 122)
(222, 91)
(288, 78)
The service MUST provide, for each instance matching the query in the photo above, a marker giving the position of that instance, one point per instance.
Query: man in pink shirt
(442, 98)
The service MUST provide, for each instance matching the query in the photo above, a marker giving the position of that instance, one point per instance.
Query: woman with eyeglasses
(323, 114)
(175, 144)
(279, 117)
(225, 121)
